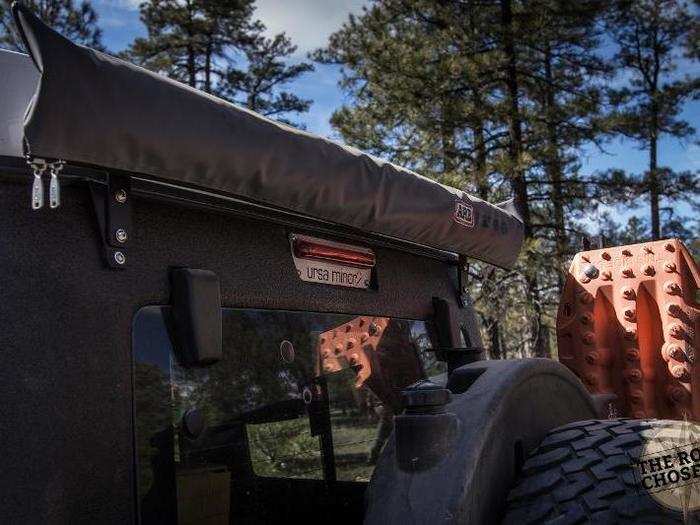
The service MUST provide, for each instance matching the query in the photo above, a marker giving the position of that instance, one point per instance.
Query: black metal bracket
(453, 345)
(112, 205)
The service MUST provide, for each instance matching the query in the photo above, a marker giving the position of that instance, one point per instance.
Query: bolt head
(648, 270)
(589, 338)
(606, 256)
(119, 258)
(120, 235)
(670, 247)
(630, 314)
(632, 354)
(590, 271)
(670, 267)
(606, 275)
(120, 196)
(631, 334)
(626, 253)
(628, 272)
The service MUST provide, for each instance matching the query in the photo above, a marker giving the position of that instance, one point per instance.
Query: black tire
(582, 473)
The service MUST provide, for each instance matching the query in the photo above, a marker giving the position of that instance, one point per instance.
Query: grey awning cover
(95, 109)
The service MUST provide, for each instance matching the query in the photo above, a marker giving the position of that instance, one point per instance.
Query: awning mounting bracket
(112, 203)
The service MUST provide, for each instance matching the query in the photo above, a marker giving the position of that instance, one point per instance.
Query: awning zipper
(39, 167)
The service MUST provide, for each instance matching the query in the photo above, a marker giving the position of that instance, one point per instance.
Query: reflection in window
(298, 401)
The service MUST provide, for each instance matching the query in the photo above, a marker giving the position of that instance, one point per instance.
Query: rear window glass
(294, 416)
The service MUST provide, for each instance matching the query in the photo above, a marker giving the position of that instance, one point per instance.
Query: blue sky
(309, 23)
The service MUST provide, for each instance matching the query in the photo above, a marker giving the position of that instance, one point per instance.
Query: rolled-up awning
(91, 108)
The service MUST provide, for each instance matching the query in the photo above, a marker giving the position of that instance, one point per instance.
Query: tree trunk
(514, 121)
(447, 136)
(654, 183)
(207, 67)
(553, 167)
(191, 64)
(538, 330)
(494, 331)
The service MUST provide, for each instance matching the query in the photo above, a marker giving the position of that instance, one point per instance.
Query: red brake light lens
(358, 258)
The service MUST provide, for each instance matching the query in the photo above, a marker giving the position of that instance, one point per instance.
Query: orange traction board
(628, 324)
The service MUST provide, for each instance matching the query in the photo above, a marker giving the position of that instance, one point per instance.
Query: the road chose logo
(668, 468)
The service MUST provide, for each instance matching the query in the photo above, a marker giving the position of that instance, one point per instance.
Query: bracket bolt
(626, 253)
(669, 247)
(590, 271)
(589, 338)
(647, 249)
(119, 258)
(628, 293)
(627, 272)
(630, 314)
(120, 196)
(632, 354)
(648, 270)
(670, 267)
(586, 318)
(605, 255)
(120, 235)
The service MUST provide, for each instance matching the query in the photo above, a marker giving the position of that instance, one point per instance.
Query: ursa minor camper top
(90, 109)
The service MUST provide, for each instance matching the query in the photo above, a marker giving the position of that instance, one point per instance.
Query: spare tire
(583, 473)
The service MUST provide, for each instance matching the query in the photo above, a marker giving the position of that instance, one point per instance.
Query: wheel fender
(503, 409)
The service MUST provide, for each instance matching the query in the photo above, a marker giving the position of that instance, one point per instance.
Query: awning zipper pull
(38, 167)
(54, 189)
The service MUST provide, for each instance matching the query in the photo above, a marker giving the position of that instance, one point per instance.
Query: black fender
(500, 411)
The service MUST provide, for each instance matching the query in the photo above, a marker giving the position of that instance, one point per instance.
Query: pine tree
(76, 22)
(217, 46)
(257, 87)
(649, 35)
